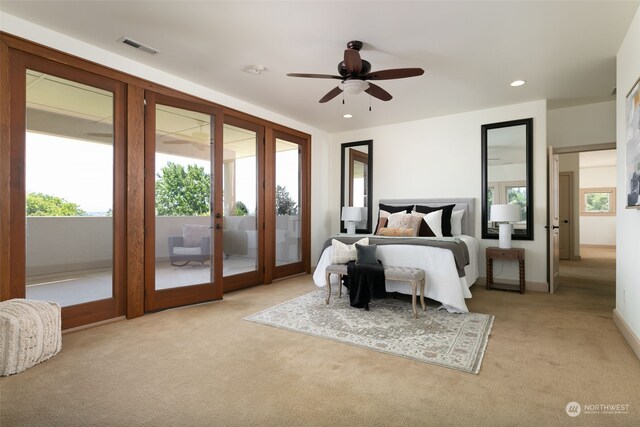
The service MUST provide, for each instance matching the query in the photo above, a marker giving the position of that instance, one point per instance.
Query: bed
(446, 283)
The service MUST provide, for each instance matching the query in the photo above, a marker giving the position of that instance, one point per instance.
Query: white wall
(440, 157)
(628, 234)
(320, 220)
(571, 163)
(582, 125)
(598, 230)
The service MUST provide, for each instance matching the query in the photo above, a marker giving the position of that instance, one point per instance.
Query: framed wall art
(633, 146)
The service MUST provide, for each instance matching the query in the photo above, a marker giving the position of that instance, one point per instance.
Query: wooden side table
(508, 254)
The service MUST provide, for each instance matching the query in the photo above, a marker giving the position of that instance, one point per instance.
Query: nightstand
(516, 254)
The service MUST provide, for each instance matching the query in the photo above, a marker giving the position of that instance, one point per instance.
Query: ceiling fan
(355, 73)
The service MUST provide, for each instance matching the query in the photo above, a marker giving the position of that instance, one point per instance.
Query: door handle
(555, 226)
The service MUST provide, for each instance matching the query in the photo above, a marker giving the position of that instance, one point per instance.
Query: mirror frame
(528, 123)
(343, 178)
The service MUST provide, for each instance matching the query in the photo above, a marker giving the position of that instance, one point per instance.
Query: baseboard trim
(598, 246)
(528, 286)
(91, 325)
(627, 333)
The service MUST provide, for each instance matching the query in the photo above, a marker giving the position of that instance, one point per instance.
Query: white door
(553, 225)
(565, 201)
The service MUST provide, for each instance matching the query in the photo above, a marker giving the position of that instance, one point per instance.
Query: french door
(243, 181)
(289, 221)
(67, 196)
(183, 202)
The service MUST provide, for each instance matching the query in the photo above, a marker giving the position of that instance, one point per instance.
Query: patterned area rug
(455, 341)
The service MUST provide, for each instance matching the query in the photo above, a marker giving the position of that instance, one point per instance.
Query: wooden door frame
(552, 221)
(173, 297)
(135, 210)
(88, 312)
(304, 265)
(252, 278)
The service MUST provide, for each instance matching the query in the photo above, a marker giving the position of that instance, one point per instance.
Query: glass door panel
(241, 237)
(182, 184)
(183, 228)
(288, 206)
(69, 184)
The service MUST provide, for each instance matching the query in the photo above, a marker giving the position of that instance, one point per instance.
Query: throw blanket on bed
(366, 281)
(457, 247)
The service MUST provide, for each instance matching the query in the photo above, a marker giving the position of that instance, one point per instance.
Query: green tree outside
(40, 204)
(285, 205)
(183, 191)
(240, 209)
(597, 202)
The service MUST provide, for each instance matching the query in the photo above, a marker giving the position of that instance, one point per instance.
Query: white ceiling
(470, 50)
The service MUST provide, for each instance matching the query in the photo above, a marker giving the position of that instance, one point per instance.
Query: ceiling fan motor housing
(342, 70)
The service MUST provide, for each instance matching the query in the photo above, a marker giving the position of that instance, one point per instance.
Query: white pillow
(343, 253)
(434, 221)
(456, 223)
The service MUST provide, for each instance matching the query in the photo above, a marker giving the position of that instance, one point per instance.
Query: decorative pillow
(192, 235)
(382, 222)
(366, 254)
(396, 232)
(405, 220)
(386, 210)
(343, 253)
(446, 216)
(434, 222)
(456, 223)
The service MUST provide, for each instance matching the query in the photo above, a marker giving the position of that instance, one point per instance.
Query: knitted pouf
(30, 333)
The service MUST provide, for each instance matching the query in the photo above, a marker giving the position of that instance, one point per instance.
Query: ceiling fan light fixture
(354, 87)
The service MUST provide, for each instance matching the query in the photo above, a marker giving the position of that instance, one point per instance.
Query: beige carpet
(204, 365)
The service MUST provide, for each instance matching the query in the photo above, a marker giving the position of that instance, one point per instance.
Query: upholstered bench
(30, 333)
(401, 274)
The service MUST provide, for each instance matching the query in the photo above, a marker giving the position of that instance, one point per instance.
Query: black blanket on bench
(366, 281)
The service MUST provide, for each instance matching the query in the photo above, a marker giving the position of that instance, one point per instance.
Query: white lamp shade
(505, 213)
(351, 213)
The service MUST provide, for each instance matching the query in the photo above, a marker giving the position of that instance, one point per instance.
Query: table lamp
(351, 215)
(505, 215)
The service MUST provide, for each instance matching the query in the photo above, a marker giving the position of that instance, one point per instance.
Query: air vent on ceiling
(138, 45)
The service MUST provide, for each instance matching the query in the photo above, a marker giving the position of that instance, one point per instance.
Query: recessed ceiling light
(254, 69)
(347, 116)
(516, 83)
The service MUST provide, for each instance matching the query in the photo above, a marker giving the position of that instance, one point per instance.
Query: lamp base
(505, 236)
(351, 227)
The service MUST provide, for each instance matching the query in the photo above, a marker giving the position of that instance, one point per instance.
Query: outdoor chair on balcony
(193, 245)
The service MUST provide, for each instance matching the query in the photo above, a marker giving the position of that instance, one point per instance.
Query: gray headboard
(462, 203)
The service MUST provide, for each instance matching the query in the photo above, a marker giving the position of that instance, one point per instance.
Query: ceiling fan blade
(332, 94)
(398, 73)
(315, 76)
(352, 61)
(377, 92)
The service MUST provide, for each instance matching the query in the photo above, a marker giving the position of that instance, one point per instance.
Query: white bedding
(443, 283)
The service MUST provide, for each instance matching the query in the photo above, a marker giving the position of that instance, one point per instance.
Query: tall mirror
(356, 183)
(507, 175)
